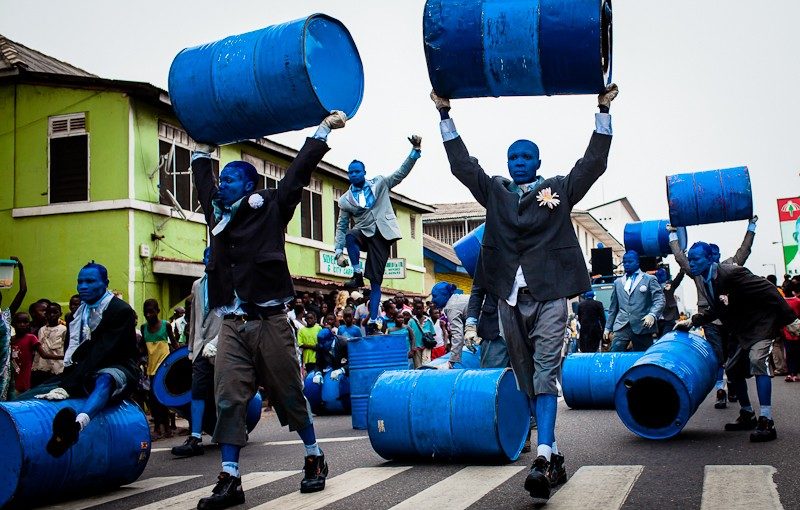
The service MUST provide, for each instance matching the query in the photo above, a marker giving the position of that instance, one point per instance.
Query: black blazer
(249, 255)
(591, 316)
(483, 307)
(112, 345)
(521, 233)
(754, 311)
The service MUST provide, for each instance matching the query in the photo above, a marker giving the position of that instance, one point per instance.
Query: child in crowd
(348, 329)
(440, 332)
(307, 340)
(158, 337)
(24, 345)
(74, 303)
(52, 336)
(38, 314)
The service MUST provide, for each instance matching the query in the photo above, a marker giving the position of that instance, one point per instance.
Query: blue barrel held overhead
(448, 414)
(656, 397)
(172, 387)
(469, 360)
(368, 358)
(468, 248)
(111, 451)
(330, 397)
(651, 238)
(493, 48)
(707, 197)
(589, 379)
(280, 78)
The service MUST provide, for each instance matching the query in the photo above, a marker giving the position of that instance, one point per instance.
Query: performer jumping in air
(248, 286)
(753, 311)
(367, 202)
(532, 261)
(101, 360)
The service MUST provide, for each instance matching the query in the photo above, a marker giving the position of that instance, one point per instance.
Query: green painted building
(98, 169)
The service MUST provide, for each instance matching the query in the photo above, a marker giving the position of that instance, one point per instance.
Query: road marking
(188, 500)
(123, 492)
(460, 490)
(322, 440)
(596, 487)
(739, 487)
(156, 450)
(336, 488)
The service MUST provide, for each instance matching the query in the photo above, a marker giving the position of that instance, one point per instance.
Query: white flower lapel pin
(643, 288)
(546, 197)
(724, 299)
(255, 200)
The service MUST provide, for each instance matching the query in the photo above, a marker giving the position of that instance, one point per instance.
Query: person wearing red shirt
(792, 344)
(24, 345)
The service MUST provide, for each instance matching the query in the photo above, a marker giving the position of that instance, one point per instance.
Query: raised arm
(743, 253)
(401, 173)
(677, 252)
(23, 288)
(676, 282)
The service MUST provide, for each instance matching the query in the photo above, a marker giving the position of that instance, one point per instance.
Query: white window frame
(69, 118)
(179, 138)
(314, 187)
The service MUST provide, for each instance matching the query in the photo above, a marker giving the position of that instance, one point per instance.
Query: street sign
(395, 268)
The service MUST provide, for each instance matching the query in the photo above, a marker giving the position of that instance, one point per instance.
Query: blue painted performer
(367, 202)
(100, 362)
(453, 303)
(248, 286)
(753, 311)
(636, 304)
(532, 261)
(202, 337)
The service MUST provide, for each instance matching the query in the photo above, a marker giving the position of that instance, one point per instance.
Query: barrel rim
(17, 466)
(167, 398)
(498, 401)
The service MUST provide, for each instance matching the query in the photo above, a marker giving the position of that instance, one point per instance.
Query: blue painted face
(206, 256)
(91, 286)
(699, 261)
(440, 294)
(630, 262)
(714, 253)
(357, 174)
(233, 185)
(661, 275)
(523, 161)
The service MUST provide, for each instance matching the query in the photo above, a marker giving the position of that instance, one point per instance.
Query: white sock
(545, 451)
(766, 412)
(197, 435)
(555, 448)
(748, 408)
(357, 268)
(720, 384)
(313, 449)
(232, 468)
(83, 420)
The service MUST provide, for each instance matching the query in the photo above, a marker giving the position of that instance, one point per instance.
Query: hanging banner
(789, 217)
(395, 268)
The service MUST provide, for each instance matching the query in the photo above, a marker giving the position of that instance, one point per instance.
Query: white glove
(440, 102)
(317, 379)
(209, 351)
(606, 97)
(342, 260)
(54, 394)
(336, 374)
(684, 325)
(794, 328)
(648, 321)
(471, 338)
(335, 120)
(606, 334)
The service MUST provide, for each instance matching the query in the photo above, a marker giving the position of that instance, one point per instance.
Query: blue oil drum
(331, 397)
(468, 248)
(493, 48)
(656, 397)
(589, 379)
(172, 387)
(469, 360)
(112, 451)
(651, 238)
(707, 197)
(368, 358)
(276, 79)
(448, 414)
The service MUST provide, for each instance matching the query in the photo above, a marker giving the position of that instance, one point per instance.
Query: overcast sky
(703, 85)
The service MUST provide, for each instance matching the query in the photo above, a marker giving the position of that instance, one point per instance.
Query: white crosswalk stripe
(188, 500)
(450, 493)
(739, 488)
(596, 487)
(137, 487)
(336, 488)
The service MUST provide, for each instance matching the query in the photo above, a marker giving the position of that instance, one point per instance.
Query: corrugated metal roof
(443, 250)
(18, 57)
(456, 211)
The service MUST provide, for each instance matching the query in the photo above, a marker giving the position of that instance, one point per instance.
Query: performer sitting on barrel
(532, 261)
(636, 303)
(248, 286)
(751, 308)
(368, 203)
(100, 361)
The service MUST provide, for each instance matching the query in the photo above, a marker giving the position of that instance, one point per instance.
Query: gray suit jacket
(646, 298)
(379, 218)
(204, 327)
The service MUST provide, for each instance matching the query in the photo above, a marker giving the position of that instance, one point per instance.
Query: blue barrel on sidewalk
(331, 397)
(276, 79)
(368, 358)
(493, 48)
(448, 414)
(469, 360)
(651, 238)
(590, 379)
(111, 451)
(468, 248)
(172, 387)
(656, 397)
(707, 197)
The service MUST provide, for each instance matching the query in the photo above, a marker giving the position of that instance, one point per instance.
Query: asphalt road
(618, 469)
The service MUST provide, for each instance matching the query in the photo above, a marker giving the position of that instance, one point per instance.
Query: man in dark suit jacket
(532, 262)
(249, 285)
(592, 319)
(753, 311)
